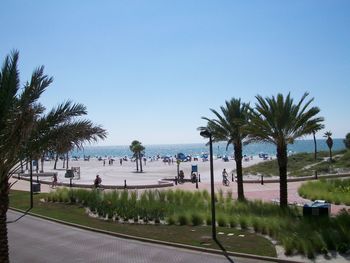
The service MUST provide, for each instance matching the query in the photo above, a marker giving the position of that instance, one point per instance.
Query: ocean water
(199, 148)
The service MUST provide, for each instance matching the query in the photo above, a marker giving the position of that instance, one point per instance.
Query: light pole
(207, 134)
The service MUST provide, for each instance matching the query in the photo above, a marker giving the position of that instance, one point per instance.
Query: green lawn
(251, 243)
(333, 191)
(302, 164)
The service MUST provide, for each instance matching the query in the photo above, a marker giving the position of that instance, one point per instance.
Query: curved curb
(298, 179)
(168, 182)
(161, 183)
(159, 242)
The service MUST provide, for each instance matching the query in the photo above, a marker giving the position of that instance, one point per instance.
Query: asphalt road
(36, 240)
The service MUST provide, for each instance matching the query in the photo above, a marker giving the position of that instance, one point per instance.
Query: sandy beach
(153, 171)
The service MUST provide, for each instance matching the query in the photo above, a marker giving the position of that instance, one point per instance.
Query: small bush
(243, 222)
(170, 220)
(208, 220)
(196, 219)
(183, 220)
(288, 245)
(233, 222)
(222, 221)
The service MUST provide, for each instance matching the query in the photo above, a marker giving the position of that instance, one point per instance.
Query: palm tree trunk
(140, 159)
(282, 163)
(22, 166)
(137, 163)
(238, 159)
(42, 163)
(315, 144)
(4, 204)
(67, 162)
(56, 160)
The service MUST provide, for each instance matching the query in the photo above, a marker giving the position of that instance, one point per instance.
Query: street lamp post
(207, 134)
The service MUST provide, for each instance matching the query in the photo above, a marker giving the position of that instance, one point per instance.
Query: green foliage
(222, 220)
(302, 164)
(333, 191)
(243, 222)
(183, 219)
(347, 141)
(296, 233)
(197, 219)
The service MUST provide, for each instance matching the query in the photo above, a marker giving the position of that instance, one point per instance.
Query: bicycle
(180, 179)
(225, 181)
(193, 179)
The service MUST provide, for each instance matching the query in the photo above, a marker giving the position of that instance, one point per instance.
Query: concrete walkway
(36, 240)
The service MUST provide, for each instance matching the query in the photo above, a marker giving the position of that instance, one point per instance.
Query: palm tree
(72, 134)
(279, 121)
(18, 109)
(347, 141)
(329, 142)
(316, 129)
(137, 148)
(231, 126)
(24, 133)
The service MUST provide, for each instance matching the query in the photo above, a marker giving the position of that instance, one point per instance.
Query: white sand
(153, 171)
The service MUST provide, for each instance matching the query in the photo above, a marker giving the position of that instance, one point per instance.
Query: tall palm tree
(132, 148)
(24, 130)
(140, 151)
(137, 148)
(316, 129)
(347, 141)
(18, 109)
(231, 126)
(279, 121)
(329, 142)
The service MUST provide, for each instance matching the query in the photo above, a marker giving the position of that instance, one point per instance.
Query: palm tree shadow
(224, 252)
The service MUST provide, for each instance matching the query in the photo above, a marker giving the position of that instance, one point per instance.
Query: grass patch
(333, 191)
(302, 164)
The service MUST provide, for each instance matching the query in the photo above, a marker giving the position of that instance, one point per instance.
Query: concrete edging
(161, 183)
(168, 182)
(298, 179)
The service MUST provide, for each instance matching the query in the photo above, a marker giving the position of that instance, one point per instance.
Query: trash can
(36, 187)
(69, 173)
(317, 208)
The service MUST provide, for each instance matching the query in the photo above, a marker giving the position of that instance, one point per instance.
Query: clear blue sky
(149, 70)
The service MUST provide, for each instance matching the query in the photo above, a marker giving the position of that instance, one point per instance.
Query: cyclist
(193, 177)
(181, 178)
(225, 180)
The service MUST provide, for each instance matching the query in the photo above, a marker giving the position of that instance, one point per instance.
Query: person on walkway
(54, 180)
(224, 175)
(193, 177)
(225, 180)
(98, 181)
